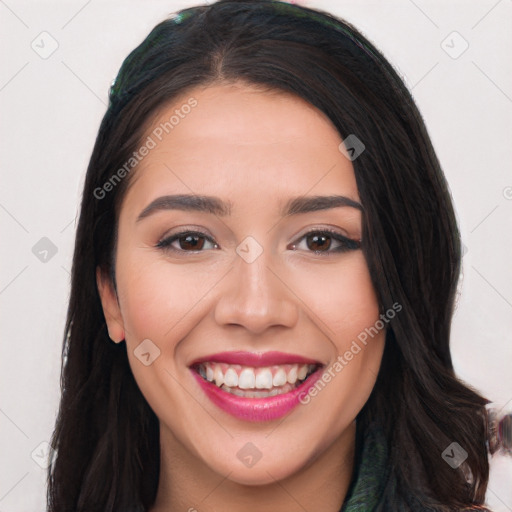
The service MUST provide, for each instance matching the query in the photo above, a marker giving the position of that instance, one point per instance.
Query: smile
(251, 382)
(250, 387)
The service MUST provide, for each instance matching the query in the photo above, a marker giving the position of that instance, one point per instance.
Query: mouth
(256, 387)
(251, 382)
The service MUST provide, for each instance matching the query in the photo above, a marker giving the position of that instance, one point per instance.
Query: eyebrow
(187, 202)
(214, 205)
(306, 204)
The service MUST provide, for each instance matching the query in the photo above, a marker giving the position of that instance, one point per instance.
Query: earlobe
(110, 305)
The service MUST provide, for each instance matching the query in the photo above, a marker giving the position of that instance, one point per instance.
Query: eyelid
(327, 229)
(180, 230)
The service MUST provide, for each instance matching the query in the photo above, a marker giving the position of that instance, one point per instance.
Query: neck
(187, 484)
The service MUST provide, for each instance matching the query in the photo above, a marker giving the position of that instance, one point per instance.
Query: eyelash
(347, 244)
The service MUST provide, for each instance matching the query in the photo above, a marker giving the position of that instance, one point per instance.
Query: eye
(187, 241)
(324, 242)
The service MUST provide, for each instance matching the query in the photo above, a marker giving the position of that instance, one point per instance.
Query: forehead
(237, 141)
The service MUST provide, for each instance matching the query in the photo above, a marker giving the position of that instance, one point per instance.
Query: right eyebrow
(307, 204)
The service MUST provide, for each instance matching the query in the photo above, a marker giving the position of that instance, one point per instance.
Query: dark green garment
(366, 489)
(373, 487)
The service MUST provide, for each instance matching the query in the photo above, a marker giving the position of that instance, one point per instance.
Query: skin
(256, 149)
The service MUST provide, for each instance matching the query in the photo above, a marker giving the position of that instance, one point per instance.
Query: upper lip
(255, 359)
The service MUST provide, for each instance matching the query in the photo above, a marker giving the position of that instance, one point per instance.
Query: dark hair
(106, 435)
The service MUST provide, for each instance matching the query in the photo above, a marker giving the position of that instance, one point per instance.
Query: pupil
(318, 242)
(192, 242)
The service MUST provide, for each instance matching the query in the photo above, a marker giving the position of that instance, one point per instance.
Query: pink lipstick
(256, 386)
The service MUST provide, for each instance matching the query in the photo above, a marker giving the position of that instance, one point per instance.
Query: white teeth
(257, 393)
(231, 378)
(292, 375)
(279, 378)
(219, 376)
(303, 371)
(247, 379)
(264, 379)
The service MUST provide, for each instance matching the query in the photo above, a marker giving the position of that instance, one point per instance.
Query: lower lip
(257, 409)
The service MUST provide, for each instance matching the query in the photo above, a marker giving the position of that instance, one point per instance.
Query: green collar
(365, 491)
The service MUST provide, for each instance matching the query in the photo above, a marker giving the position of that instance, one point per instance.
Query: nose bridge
(255, 297)
(257, 287)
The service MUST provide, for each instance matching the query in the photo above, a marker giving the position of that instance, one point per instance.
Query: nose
(256, 297)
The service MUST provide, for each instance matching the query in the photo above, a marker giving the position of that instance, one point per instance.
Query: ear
(110, 306)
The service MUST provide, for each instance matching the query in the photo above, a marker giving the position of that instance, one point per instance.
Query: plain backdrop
(58, 60)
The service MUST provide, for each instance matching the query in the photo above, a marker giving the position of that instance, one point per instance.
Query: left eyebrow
(306, 204)
(206, 204)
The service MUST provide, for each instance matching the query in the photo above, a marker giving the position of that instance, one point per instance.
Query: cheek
(341, 295)
(160, 299)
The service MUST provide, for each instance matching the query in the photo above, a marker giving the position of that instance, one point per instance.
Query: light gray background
(51, 109)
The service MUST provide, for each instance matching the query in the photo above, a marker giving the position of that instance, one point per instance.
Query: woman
(263, 283)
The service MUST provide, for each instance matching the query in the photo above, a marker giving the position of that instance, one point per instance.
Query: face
(243, 293)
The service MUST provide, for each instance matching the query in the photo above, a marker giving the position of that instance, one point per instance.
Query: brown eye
(191, 242)
(318, 242)
(325, 242)
(187, 241)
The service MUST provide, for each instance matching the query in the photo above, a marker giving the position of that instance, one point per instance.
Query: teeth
(279, 378)
(303, 371)
(256, 393)
(264, 379)
(238, 379)
(247, 379)
(231, 378)
(219, 376)
(292, 375)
